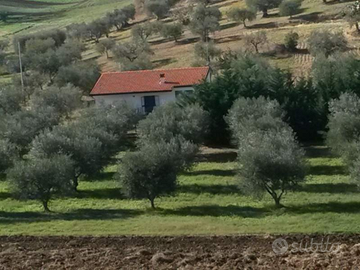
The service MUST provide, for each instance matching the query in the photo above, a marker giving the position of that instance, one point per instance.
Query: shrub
(291, 41)
(41, 179)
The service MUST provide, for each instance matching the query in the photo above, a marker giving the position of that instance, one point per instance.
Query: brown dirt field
(183, 252)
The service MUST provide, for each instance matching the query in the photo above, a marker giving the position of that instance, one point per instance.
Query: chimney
(162, 78)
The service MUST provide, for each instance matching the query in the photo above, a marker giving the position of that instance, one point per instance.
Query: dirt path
(220, 252)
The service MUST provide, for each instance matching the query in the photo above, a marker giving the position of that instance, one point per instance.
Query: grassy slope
(207, 203)
(65, 12)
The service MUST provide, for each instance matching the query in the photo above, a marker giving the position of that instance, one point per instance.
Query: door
(149, 103)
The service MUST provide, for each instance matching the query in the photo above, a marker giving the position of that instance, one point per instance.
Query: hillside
(37, 15)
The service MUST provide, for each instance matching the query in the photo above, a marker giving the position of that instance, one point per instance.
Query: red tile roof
(148, 80)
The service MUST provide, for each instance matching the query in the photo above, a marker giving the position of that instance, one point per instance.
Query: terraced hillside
(36, 15)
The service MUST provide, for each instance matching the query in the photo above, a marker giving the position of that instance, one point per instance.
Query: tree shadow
(329, 188)
(188, 41)
(228, 25)
(329, 207)
(220, 157)
(79, 214)
(99, 177)
(5, 195)
(317, 152)
(228, 39)
(163, 62)
(327, 170)
(105, 193)
(216, 211)
(211, 189)
(310, 17)
(263, 25)
(211, 172)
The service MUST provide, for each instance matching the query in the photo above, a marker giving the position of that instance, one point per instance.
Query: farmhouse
(146, 89)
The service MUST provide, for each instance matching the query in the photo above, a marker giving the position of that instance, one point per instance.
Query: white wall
(134, 100)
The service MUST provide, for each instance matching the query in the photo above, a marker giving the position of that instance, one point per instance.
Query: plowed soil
(218, 252)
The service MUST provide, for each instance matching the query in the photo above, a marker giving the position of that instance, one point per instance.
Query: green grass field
(207, 203)
(37, 15)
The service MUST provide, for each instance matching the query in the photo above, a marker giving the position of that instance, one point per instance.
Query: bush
(289, 7)
(291, 41)
(326, 42)
(41, 179)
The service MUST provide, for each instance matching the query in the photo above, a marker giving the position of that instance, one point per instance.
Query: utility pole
(21, 69)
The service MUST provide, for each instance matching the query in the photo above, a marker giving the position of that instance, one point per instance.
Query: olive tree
(289, 7)
(11, 99)
(152, 171)
(8, 154)
(84, 150)
(344, 126)
(205, 20)
(170, 120)
(159, 8)
(82, 75)
(270, 159)
(174, 31)
(263, 5)
(207, 51)
(271, 162)
(241, 15)
(41, 179)
(326, 42)
(105, 45)
(256, 39)
(64, 100)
